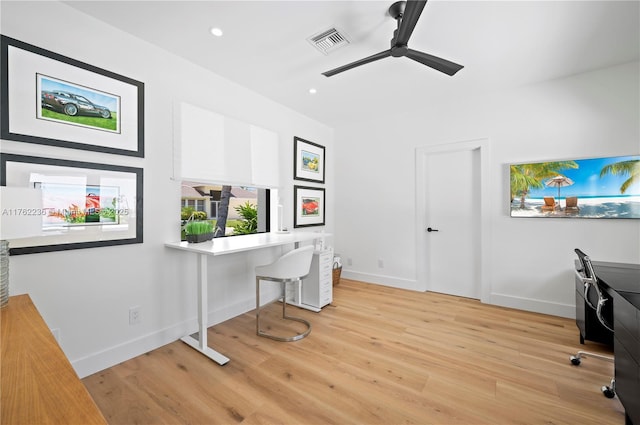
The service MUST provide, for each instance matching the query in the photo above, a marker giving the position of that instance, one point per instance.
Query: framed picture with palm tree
(580, 188)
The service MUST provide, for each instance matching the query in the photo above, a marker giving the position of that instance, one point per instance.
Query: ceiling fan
(406, 13)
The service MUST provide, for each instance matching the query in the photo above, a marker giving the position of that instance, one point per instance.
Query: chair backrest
(586, 276)
(549, 201)
(590, 279)
(602, 308)
(571, 201)
(584, 259)
(294, 264)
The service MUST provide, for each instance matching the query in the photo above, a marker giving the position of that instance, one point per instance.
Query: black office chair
(587, 275)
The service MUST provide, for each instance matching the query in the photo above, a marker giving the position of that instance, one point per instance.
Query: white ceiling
(502, 44)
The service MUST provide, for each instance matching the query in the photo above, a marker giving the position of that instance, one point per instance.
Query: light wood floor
(377, 355)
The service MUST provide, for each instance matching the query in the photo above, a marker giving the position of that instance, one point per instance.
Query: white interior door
(451, 205)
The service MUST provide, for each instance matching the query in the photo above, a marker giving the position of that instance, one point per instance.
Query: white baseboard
(520, 303)
(111, 356)
(381, 279)
(536, 306)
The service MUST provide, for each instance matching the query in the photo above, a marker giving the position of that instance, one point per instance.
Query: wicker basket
(336, 275)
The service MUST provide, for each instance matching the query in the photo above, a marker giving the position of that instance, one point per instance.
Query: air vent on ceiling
(328, 41)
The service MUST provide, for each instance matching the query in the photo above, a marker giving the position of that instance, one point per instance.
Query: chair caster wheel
(608, 392)
(575, 360)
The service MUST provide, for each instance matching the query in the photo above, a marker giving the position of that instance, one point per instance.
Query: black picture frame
(36, 85)
(308, 161)
(309, 205)
(123, 225)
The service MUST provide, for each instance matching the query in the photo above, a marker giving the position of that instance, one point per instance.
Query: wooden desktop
(38, 384)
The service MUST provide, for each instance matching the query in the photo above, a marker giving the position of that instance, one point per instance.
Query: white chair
(292, 267)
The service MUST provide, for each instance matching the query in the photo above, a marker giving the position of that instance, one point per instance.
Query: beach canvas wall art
(581, 188)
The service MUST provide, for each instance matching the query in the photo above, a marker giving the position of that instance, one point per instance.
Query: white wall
(589, 115)
(86, 294)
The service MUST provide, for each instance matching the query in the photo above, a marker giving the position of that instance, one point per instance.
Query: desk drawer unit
(317, 288)
(627, 356)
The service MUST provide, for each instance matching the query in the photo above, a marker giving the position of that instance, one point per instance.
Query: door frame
(483, 146)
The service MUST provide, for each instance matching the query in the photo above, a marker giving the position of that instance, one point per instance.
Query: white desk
(222, 246)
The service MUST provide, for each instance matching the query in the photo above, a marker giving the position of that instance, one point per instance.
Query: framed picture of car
(51, 99)
(308, 161)
(309, 206)
(69, 103)
(81, 204)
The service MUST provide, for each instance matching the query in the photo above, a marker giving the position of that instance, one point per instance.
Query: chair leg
(608, 391)
(257, 305)
(575, 360)
(260, 332)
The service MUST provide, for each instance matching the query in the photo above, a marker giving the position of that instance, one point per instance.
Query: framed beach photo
(82, 205)
(580, 188)
(51, 99)
(309, 206)
(308, 161)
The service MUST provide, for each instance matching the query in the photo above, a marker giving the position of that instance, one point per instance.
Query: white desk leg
(200, 343)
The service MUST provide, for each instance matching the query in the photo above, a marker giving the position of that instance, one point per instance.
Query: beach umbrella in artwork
(559, 181)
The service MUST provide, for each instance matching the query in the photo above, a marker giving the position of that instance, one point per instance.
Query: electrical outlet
(349, 262)
(380, 264)
(135, 315)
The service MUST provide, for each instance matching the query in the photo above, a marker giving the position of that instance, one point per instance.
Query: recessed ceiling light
(216, 31)
(313, 91)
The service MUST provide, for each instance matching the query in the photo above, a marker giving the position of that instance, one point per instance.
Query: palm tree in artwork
(630, 168)
(525, 177)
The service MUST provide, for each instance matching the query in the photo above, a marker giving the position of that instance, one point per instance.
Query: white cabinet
(316, 290)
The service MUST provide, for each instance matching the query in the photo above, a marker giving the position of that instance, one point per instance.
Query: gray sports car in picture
(72, 104)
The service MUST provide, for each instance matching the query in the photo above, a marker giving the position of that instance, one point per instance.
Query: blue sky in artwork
(587, 180)
(96, 97)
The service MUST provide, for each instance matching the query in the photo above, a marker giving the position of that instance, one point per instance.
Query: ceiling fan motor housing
(398, 50)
